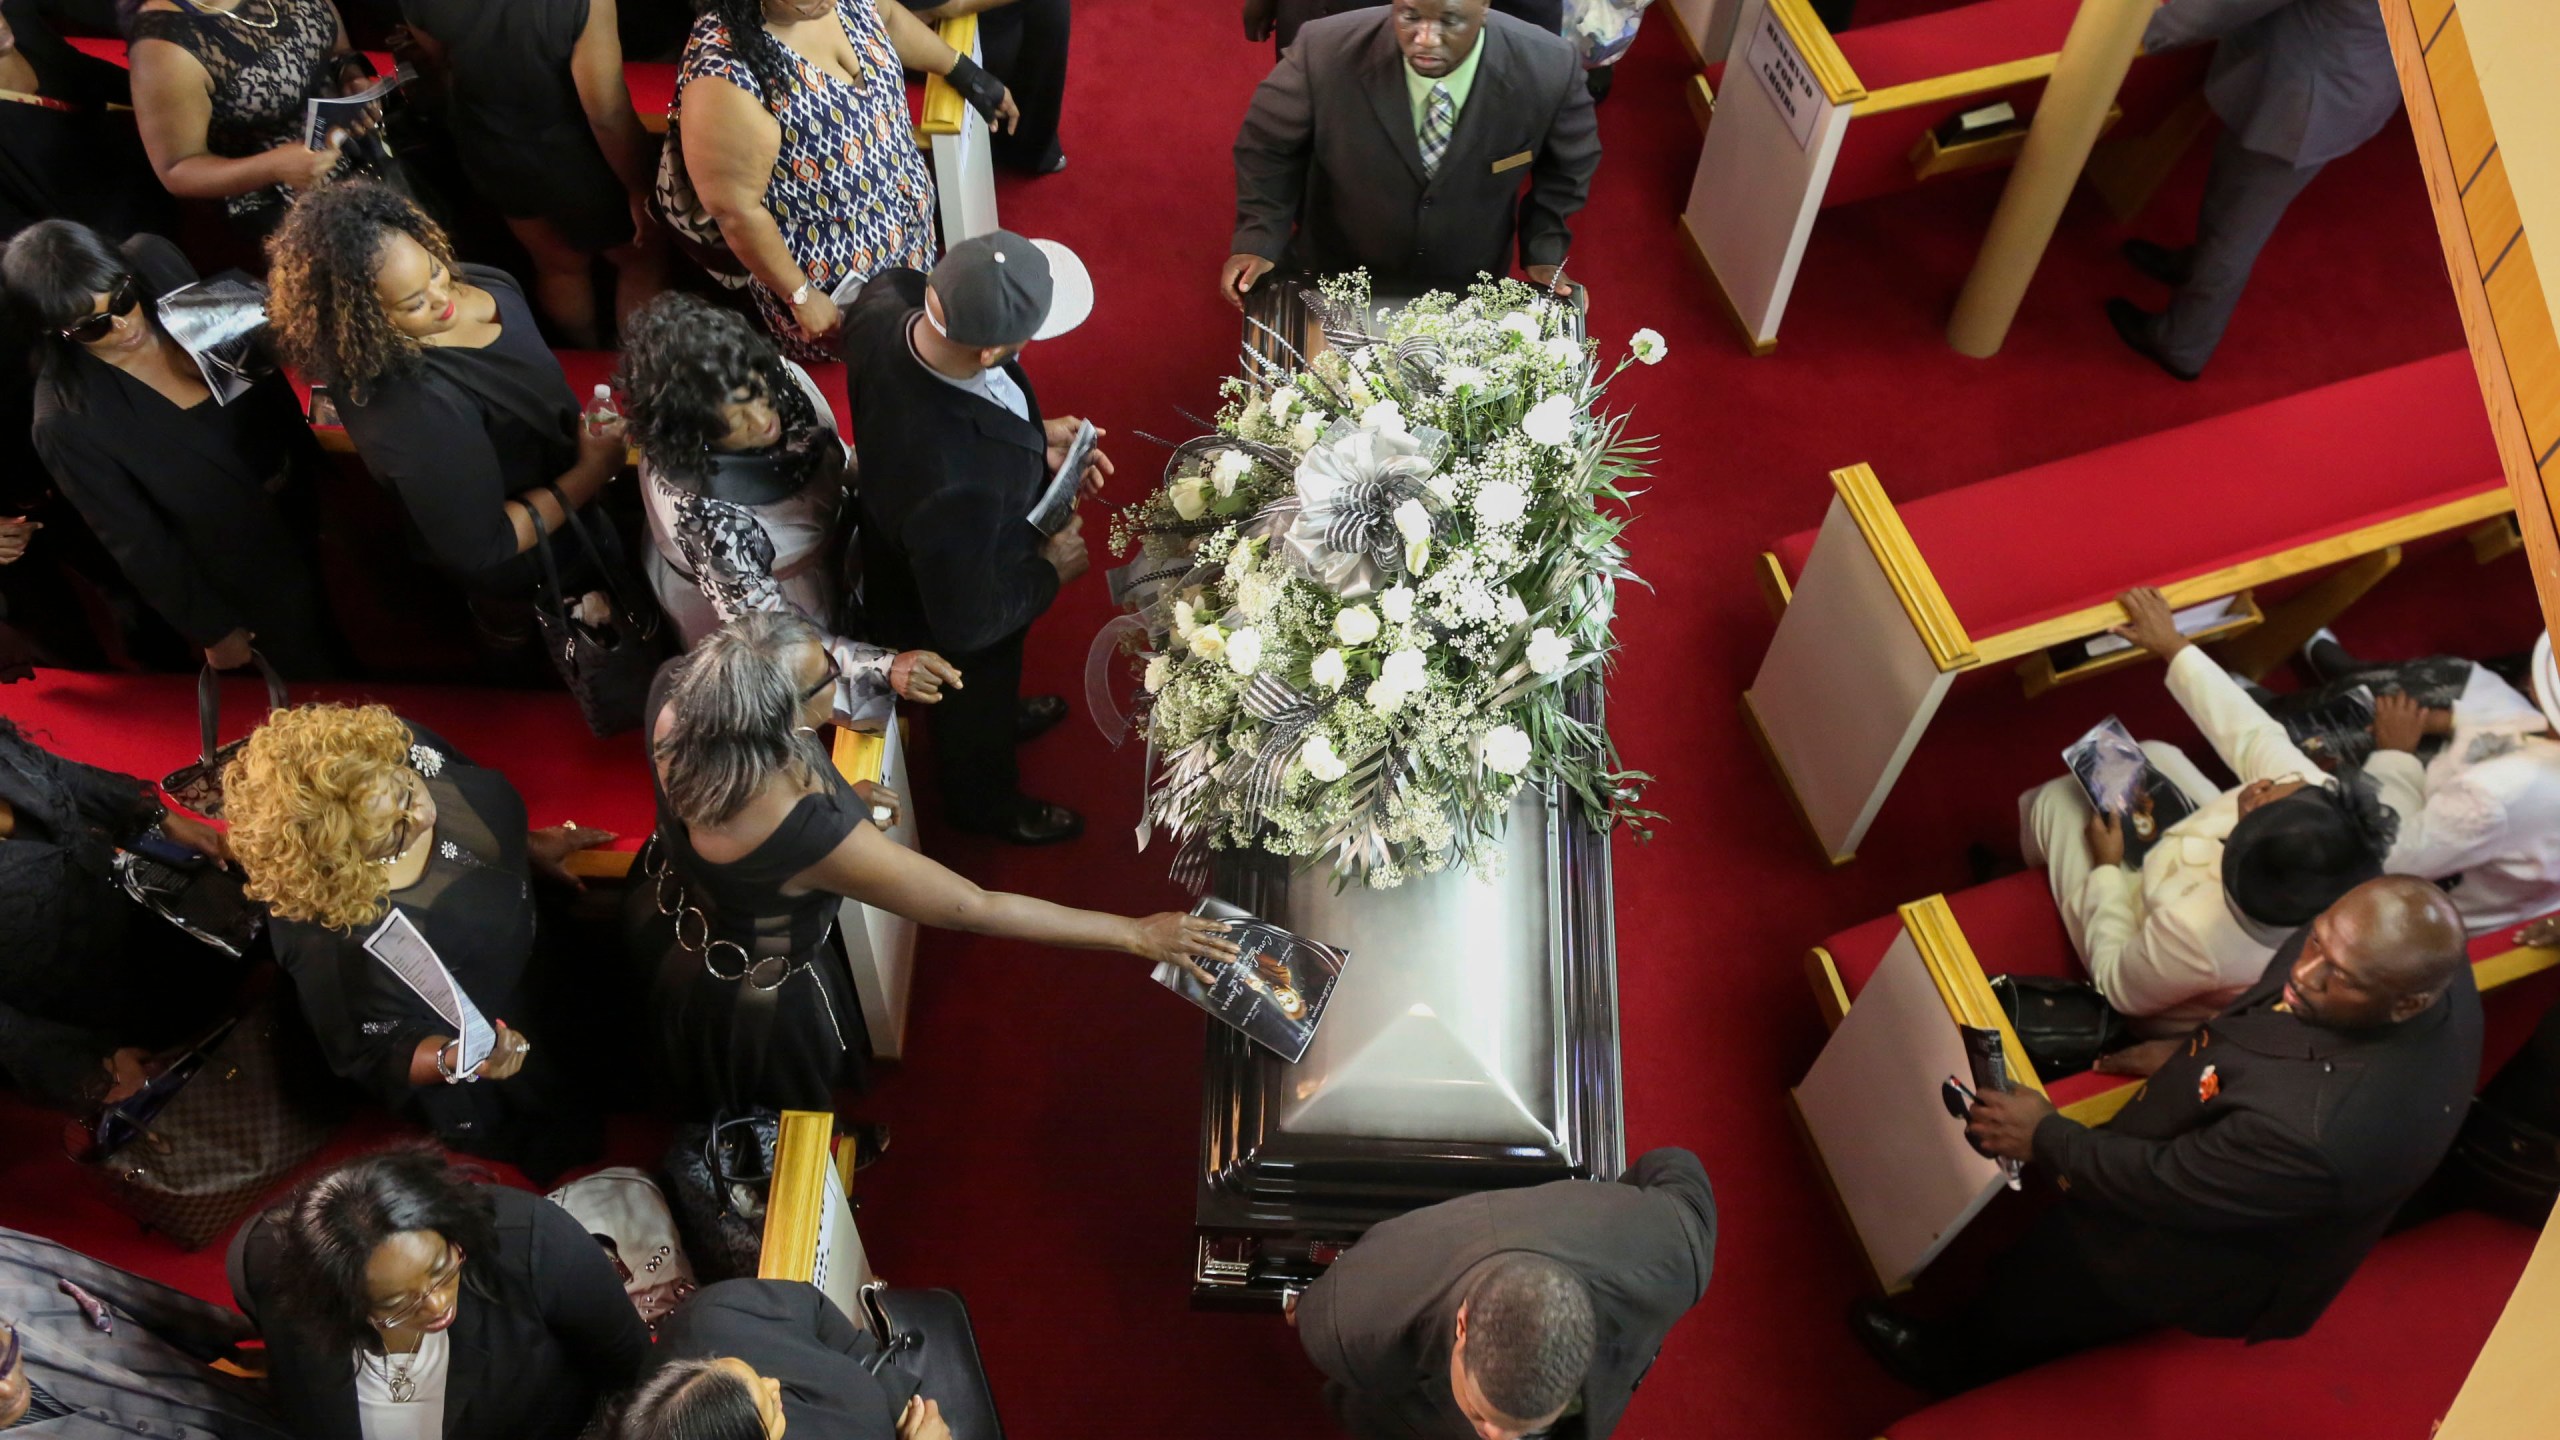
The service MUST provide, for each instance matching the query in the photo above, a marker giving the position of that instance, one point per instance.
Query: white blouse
(420, 1417)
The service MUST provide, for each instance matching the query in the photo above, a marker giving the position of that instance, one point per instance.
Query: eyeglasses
(445, 1273)
(121, 301)
(835, 673)
(404, 829)
(9, 1352)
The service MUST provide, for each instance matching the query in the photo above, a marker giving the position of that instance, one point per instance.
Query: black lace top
(266, 59)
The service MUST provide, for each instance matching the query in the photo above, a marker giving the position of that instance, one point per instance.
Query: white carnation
(1406, 670)
(1499, 502)
(1549, 652)
(1386, 417)
(1649, 347)
(1443, 486)
(1522, 324)
(1564, 350)
(1357, 624)
(1413, 522)
(1396, 603)
(1190, 498)
(1208, 642)
(1232, 466)
(1328, 669)
(1462, 377)
(1550, 421)
(1258, 593)
(1318, 756)
(1283, 400)
(1244, 651)
(1505, 749)
(1159, 670)
(1184, 617)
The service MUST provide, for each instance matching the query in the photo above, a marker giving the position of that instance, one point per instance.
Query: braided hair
(327, 319)
(768, 59)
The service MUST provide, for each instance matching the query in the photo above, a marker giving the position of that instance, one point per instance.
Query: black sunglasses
(91, 328)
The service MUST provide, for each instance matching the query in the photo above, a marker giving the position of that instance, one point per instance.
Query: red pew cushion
(2018, 549)
(2387, 1359)
(2010, 922)
(145, 725)
(586, 369)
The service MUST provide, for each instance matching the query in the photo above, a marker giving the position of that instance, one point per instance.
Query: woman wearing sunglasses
(387, 859)
(759, 842)
(402, 1301)
(210, 507)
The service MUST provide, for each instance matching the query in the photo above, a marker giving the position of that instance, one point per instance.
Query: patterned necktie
(1439, 118)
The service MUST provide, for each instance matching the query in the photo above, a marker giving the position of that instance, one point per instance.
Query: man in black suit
(1279, 21)
(1512, 1312)
(2246, 1181)
(953, 454)
(1399, 138)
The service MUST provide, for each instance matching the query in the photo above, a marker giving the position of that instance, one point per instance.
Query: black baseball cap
(1001, 289)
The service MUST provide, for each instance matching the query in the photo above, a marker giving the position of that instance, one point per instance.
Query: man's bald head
(2382, 954)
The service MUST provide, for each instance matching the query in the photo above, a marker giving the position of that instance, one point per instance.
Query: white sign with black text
(1783, 73)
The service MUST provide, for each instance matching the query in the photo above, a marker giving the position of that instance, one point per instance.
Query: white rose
(1499, 502)
(1523, 324)
(1396, 603)
(1510, 609)
(1565, 350)
(1505, 749)
(1208, 642)
(1190, 498)
(1357, 624)
(1406, 670)
(1309, 430)
(1159, 670)
(1550, 421)
(1244, 651)
(1549, 652)
(1462, 377)
(1232, 466)
(1283, 400)
(1318, 756)
(1386, 417)
(1329, 669)
(1413, 522)
(1649, 347)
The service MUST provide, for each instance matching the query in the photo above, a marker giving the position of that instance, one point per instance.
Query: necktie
(1439, 118)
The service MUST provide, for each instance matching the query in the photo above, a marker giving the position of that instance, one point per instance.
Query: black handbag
(198, 787)
(718, 1176)
(607, 667)
(926, 1334)
(205, 900)
(219, 1127)
(2508, 1165)
(2063, 1025)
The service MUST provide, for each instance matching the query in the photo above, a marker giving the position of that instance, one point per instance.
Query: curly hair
(682, 360)
(327, 319)
(768, 59)
(301, 796)
(327, 1229)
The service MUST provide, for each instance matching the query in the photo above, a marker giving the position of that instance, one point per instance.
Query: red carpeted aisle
(1047, 1116)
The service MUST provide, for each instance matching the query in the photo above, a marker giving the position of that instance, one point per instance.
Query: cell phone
(324, 410)
(168, 852)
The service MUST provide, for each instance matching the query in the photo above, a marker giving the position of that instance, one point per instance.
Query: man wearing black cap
(954, 454)
(2172, 942)
(2246, 1181)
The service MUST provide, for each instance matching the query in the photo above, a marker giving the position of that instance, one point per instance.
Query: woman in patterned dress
(796, 138)
(746, 480)
(219, 88)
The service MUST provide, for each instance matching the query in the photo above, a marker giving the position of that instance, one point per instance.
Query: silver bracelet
(450, 1078)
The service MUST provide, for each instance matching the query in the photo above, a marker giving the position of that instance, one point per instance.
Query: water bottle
(601, 411)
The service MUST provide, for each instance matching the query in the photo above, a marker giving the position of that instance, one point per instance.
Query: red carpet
(1046, 1142)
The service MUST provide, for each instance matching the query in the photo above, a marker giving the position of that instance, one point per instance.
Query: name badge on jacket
(1513, 162)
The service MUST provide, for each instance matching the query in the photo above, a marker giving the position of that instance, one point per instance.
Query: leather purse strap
(209, 702)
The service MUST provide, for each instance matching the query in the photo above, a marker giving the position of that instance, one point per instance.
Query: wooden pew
(1883, 605)
(1804, 121)
(809, 1229)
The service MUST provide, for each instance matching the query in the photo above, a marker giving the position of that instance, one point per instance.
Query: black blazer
(1328, 148)
(1379, 1323)
(948, 560)
(791, 1332)
(530, 1365)
(188, 500)
(2240, 1204)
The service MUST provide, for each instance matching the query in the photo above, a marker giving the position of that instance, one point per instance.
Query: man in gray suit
(1512, 1312)
(2297, 83)
(1398, 138)
(146, 1372)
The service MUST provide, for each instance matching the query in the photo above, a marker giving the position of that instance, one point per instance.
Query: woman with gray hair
(759, 839)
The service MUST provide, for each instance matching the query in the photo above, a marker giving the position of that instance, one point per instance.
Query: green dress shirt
(1417, 88)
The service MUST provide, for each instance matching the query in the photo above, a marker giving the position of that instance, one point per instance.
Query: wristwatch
(800, 296)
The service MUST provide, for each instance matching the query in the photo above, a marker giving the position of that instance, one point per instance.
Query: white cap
(1070, 291)
(2546, 680)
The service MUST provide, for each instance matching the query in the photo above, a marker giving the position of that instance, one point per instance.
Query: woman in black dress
(400, 1299)
(446, 388)
(759, 842)
(210, 507)
(219, 90)
(542, 120)
(376, 845)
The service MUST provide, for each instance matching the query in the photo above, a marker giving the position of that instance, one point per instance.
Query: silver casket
(1471, 1044)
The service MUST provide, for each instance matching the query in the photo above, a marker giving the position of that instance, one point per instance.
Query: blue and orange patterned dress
(850, 189)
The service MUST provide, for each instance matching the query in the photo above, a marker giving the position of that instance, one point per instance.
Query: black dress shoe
(1036, 715)
(2169, 267)
(1035, 822)
(1897, 1344)
(2133, 327)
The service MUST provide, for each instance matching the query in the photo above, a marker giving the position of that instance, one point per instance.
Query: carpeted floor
(1047, 1118)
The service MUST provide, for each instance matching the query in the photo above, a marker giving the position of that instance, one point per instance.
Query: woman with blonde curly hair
(374, 842)
(445, 386)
